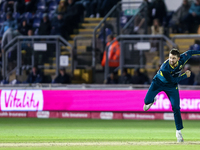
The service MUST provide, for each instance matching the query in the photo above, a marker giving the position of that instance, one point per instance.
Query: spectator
(196, 45)
(10, 6)
(196, 58)
(36, 76)
(45, 26)
(197, 78)
(58, 26)
(139, 78)
(62, 8)
(101, 7)
(21, 6)
(107, 6)
(95, 7)
(159, 10)
(9, 23)
(72, 17)
(192, 20)
(112, 79)
(30, 5)
(177, 19)
(190, 80)
(113, 53)
(155, 29)
(28, 48)
(139, 23)
(125, 78)
(24, 27)
(8, 29)
(63, 77)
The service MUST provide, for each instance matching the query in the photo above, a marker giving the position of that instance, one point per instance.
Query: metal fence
(114, 23)
(84, 86)
(26, 51)
(132, 55)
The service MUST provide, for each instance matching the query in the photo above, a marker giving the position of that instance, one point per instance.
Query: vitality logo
(21, 100)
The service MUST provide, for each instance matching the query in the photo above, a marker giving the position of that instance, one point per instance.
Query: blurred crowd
(61, 17)
(139, 77)
(184, 20)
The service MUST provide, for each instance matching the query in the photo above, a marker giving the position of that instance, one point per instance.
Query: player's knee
(175, 108)
(147, 101)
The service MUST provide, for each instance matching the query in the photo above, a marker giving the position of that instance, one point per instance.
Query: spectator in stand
(139, 78)
(190, 80)
(63, 77)
(125, 78)
(196, 58)
(112, 79)
(72, 17)
(197, 78)
(159, 10)
(36, 76)
(45, 26)
(95, 8)
(8, 30)
(10, 6)
(17, 6)
(27, 49)
(62, 8)
(21, 6)
(192, 20)
(58, 26)
(30, 5)
(113, 53)
(139, 23)
(107, 6)
(101, 7)
(155, 29)
(24, 27)
(177, 19)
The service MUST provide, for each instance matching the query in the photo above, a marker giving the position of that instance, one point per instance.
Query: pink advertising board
(92, 100)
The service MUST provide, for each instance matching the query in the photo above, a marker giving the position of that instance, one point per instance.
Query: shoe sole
(145, 109)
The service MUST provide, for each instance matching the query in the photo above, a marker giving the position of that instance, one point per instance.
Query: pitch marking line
(93, 144)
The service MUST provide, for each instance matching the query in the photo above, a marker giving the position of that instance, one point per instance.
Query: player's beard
(173, 63)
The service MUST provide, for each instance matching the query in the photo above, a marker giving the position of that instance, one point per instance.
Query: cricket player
(166, 80)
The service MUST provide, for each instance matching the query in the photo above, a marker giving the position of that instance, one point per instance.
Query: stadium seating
(41, 6)
(52, 6)
(36, 22)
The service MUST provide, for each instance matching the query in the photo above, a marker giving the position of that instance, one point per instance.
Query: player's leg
(150, 98)
(174, 98)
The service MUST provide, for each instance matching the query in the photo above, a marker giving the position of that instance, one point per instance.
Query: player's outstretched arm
(189, 54)
(172, 79)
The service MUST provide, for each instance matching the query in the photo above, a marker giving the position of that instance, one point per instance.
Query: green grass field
(81, 134)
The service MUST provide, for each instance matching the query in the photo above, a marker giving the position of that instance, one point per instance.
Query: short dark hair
(175, 51)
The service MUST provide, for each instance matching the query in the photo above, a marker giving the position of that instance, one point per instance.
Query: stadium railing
(12, 55)
(121, 14)
(84, 86)
(130, 43)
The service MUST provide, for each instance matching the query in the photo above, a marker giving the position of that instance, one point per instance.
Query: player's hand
(188, 73)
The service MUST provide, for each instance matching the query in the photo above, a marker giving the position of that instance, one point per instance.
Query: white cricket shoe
(146, 107)
(179, 137)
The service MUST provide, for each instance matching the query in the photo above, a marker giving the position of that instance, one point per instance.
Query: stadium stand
(81, 26)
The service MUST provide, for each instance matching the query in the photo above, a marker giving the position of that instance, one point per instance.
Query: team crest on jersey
(180, 67)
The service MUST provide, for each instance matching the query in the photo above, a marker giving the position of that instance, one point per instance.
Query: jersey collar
(172, 66)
